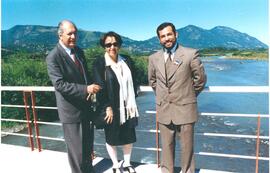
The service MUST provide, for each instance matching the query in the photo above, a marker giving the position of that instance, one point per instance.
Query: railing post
(33, 99)
(26, 95)
(258, 144)
(157, 141)
(27, 114)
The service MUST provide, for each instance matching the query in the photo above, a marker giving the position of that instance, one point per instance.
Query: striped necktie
(76, 61)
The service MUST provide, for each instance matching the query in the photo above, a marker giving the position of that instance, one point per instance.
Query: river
(220, 72)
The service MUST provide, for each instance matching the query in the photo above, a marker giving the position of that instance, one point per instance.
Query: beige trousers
(168, 134)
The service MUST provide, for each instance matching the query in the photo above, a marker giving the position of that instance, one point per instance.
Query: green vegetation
(23, 69)
(258, 54)
(30, 69)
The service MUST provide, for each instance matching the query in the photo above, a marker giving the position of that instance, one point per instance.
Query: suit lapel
(177, 61)
(161, 64)
(82, 63)
(70, 62)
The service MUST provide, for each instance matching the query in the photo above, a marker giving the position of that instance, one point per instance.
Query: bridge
(35, 159)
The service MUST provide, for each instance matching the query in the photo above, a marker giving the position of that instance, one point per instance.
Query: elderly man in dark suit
(177, 77)
(69, 75)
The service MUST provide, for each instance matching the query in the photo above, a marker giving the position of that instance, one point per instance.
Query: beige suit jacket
(177, 101)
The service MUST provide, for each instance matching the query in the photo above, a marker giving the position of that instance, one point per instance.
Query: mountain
(220, 36)
(43, 38)
(40, 38)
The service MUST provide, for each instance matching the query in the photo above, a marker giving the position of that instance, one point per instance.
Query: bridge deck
(15, 159)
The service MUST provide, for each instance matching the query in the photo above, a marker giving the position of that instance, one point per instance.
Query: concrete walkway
(17, 159)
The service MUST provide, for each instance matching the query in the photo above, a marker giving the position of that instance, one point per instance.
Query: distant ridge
(43, 38)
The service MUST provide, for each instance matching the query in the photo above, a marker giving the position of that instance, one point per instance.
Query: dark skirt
(117, 134)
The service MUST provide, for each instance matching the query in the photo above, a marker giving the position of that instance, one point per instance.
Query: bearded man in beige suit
(177, 77)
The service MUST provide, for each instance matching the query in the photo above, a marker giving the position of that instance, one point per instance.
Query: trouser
(79, 139)
(168, 133)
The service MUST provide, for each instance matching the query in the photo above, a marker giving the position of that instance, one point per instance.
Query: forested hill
(35, 38)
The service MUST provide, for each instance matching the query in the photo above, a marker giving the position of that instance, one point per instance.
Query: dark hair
(164, 25)
(110, 34)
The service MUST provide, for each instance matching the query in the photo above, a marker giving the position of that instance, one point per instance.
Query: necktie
(168, 67)
(76, 61)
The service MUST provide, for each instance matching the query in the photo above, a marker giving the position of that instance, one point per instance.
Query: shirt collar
(172, 49)
(166, 54)
(68, 50)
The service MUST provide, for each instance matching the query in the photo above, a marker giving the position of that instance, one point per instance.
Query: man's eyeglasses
(108, 45)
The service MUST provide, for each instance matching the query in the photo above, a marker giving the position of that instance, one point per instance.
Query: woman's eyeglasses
(108, 45)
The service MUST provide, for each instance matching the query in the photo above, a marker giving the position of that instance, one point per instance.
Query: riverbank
(229, 56)
(265, 58)
(14, 129)
(237, 54)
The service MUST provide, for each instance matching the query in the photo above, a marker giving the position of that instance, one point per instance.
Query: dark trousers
(168, 133)
(79, 139)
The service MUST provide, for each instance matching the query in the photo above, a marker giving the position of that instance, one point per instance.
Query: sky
(138, 19)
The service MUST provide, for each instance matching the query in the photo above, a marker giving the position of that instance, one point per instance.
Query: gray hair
(60, 29)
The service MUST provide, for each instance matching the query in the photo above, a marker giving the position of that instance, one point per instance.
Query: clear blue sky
(138, 19)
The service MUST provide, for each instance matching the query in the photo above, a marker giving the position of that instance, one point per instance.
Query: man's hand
(93, 88)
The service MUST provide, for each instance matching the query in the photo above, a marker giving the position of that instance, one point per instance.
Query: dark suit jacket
(70, 85)
(109, 94)
(177, 102)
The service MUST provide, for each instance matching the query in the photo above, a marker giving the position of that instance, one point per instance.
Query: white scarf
(126, 91)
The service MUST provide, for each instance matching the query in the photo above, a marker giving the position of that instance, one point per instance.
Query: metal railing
(30, 92)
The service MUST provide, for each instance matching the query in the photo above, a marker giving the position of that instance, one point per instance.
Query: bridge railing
(29, 91)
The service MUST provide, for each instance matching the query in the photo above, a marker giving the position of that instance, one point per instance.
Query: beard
(168, 48)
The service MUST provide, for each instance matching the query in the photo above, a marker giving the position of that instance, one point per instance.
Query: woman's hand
(109, 115)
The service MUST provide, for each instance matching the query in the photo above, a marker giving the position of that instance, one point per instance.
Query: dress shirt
(68, 50)
(166, 53)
